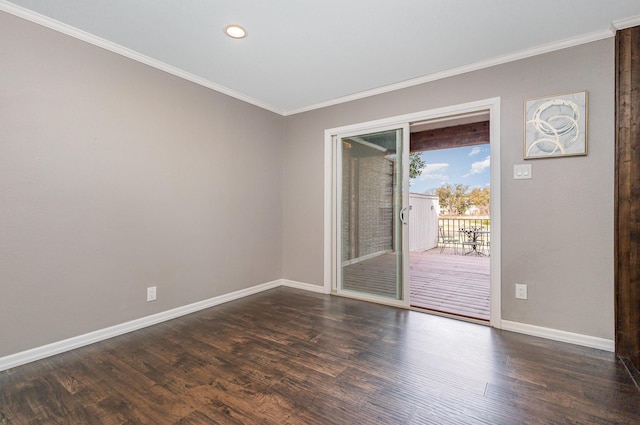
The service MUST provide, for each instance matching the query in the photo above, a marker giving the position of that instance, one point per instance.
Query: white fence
(423, 222)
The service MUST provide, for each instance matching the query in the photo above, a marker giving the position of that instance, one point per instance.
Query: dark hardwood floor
(291, 357)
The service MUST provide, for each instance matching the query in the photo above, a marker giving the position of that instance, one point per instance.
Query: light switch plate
(522, 171)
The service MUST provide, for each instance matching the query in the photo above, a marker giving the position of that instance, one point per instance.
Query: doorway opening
(352, 193)
(450, 221)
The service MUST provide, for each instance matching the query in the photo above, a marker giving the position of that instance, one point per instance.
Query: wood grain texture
(627, 195)
(450, 137)
(291, 357)
(452, 284)
(445, 283)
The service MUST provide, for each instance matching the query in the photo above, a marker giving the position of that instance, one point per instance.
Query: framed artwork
(556, 126)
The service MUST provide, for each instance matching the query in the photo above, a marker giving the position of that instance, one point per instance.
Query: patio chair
(484, 244)
(447, 240)
(470, 241)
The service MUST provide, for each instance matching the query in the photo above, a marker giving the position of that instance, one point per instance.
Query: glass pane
(371, 202)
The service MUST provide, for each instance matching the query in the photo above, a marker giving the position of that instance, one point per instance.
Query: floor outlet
(151, 293)
(521, 291)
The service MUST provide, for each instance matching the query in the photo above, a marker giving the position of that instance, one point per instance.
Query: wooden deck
(375, 276)
(454, 284)
(446, 283)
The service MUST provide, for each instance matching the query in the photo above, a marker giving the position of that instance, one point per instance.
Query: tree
(416, 164)
(480, 198)
(453, 198)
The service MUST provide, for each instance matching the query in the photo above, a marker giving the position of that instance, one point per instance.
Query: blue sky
(467, 165)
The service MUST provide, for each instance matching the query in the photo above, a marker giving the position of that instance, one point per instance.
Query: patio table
(472, 240)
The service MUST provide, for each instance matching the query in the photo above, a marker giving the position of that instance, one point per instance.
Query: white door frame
(492, 105)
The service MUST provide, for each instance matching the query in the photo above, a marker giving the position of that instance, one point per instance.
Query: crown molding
(625, 23)
(131, 54)
(523, 54)
(71, 31)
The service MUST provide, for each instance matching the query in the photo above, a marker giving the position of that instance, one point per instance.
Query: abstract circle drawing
(554, 126)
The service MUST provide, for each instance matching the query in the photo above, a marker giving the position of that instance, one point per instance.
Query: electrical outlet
(151, 293)
(521, 291)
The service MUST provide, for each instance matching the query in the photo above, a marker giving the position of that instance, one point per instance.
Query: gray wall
(557, 229)
(115, 176)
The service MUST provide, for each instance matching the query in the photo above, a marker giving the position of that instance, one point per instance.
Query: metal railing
(451, 226)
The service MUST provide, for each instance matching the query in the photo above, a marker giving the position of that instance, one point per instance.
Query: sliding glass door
(372, 211)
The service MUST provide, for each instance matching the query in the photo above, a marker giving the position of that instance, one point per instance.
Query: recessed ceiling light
(235, 31)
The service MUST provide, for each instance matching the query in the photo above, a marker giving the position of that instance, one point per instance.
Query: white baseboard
(58, 347)
(24, 357)
(304, 286)
(558, 335)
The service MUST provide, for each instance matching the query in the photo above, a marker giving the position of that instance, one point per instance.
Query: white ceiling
(303, 54)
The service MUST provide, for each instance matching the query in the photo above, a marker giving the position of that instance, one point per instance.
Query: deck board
(453, 284)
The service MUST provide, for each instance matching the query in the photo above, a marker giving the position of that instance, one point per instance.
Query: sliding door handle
(403, 217)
